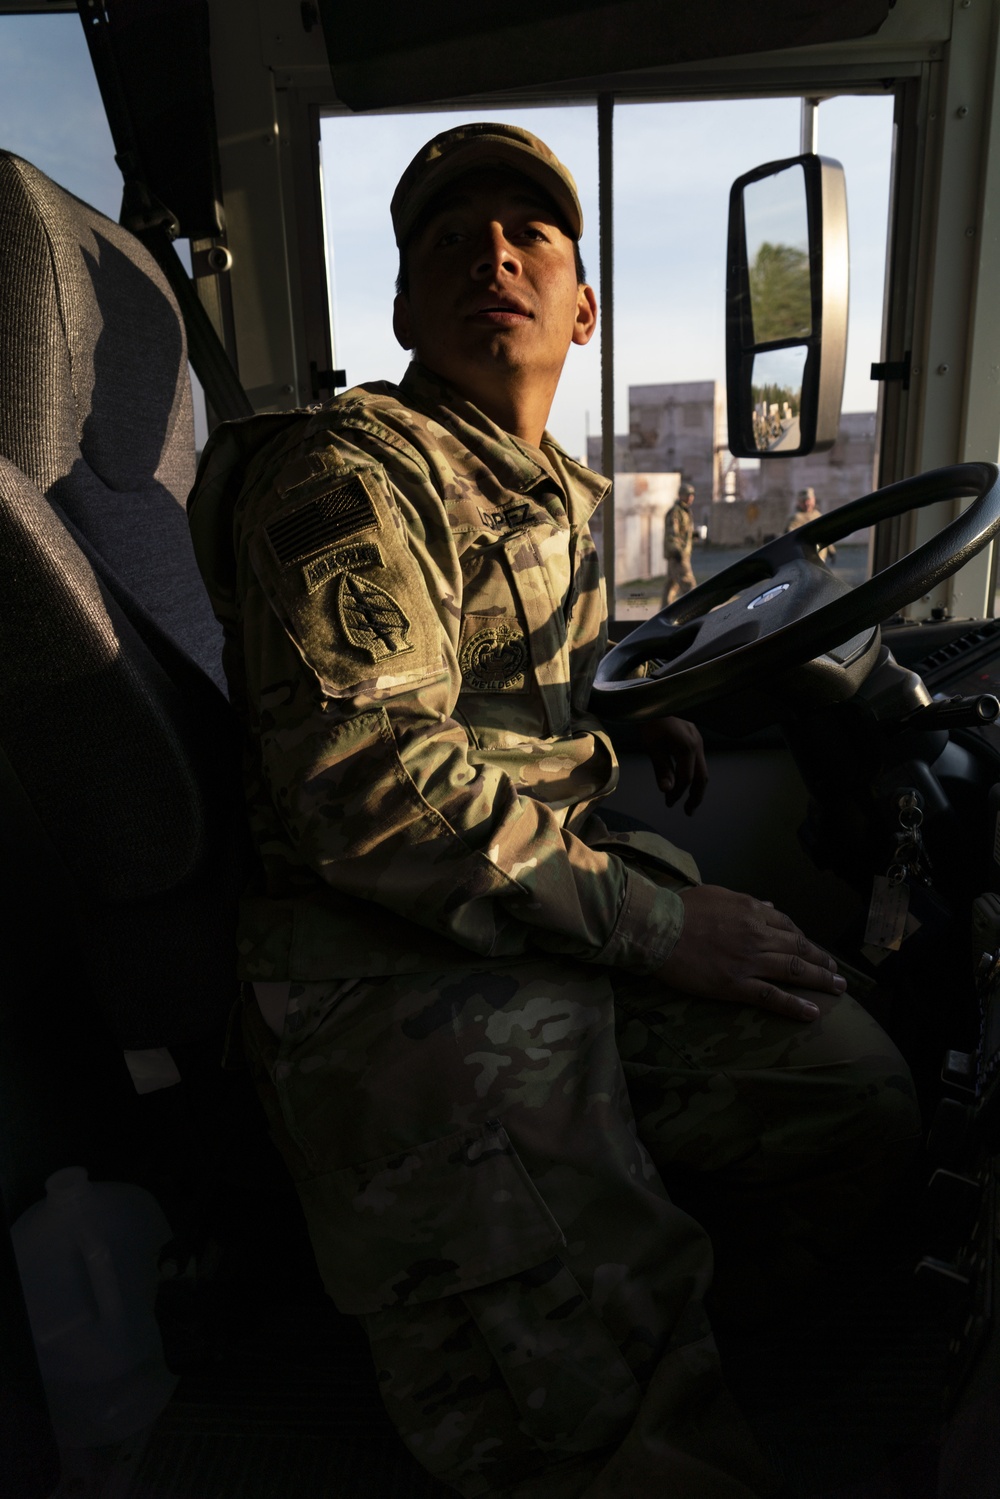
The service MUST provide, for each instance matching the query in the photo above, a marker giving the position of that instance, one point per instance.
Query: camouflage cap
(684, 489)
(455, 152)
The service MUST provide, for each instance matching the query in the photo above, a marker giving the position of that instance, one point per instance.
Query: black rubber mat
(291, 1408)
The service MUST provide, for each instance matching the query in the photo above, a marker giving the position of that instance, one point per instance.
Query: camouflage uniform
(678, 537)
(802, 518)
(479, 1089)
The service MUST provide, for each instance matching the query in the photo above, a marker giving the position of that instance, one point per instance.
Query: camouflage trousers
(679, 579)
(517, 1175)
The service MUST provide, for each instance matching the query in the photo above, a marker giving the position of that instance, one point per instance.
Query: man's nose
(495, 253)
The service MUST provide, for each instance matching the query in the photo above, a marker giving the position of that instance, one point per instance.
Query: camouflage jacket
(413, 614)
(678, 530)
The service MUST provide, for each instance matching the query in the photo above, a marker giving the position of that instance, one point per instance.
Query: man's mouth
(504, 311)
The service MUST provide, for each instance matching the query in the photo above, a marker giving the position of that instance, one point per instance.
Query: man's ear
(586, 315)
(401, 322)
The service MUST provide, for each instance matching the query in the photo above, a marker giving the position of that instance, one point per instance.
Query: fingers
(742, 950)
(780, 1002)
(790, 969)
(698, 779)
(678, 755)
(783, 936)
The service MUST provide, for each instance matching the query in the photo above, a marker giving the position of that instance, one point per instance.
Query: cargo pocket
(440, 1219)
(455, 1229)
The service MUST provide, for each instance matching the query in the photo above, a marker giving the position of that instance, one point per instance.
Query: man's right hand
(733, 947)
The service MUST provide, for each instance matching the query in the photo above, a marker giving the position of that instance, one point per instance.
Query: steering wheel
(781, 606)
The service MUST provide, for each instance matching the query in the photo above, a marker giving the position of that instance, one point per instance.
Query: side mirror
(786, 307)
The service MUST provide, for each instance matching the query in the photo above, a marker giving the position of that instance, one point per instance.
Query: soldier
(806, 510)
(678, 536)
(490, 1026)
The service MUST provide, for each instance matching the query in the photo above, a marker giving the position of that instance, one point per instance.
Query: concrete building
(678, 431)
(622, 457)
(641, 503)
(676, 428)
(844, 472)
(681, 428)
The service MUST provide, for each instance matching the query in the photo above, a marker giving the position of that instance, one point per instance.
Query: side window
(673, 166)
(50, 107)
(51, 114)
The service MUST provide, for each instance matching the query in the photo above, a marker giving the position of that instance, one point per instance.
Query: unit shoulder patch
(371, 618)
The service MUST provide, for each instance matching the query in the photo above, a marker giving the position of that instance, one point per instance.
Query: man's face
(493, 292)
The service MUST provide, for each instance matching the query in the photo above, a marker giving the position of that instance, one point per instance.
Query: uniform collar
(518, 465)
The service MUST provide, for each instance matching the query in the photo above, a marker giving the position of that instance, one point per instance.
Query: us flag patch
(322, 522)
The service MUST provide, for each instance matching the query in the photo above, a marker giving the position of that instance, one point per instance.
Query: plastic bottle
(87, 1259)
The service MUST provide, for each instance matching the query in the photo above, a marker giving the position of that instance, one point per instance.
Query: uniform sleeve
(350, 625)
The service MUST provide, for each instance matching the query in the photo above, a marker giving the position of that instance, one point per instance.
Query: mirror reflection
(777, 239)
(776, 392)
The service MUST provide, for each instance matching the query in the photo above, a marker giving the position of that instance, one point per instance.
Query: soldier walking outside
(806, 509)
(678, 536)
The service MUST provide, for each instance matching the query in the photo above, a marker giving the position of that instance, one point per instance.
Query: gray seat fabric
(132, 775)
(118, 751)
(95, 400)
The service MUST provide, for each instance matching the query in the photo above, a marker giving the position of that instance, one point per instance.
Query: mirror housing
(786, 307)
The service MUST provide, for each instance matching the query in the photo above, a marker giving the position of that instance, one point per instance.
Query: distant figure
(806, 510)
(678, 535)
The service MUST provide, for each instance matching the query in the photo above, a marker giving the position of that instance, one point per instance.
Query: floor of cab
(293, 1411)
(290, 1409)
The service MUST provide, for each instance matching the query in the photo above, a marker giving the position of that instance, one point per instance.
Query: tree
(780, 299)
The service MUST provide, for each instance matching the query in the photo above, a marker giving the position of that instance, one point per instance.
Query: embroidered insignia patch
(494, 660)
(370, 618)
(343, 560)
(339, 512)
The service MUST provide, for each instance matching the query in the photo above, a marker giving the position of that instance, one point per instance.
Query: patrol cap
(807, 494)
(683, 489)
(455, 152)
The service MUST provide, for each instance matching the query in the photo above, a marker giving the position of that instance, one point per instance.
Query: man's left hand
(674, 746)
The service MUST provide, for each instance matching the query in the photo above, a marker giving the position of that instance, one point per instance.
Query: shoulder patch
(370, 618)
(345, 576)
(343, 510)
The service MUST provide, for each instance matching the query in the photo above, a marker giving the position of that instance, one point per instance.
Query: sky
(673, 167)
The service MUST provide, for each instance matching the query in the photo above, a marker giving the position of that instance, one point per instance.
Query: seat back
(116, 742)
(95, 398)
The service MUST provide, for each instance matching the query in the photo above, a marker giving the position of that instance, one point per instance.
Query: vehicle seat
(118, 751)
(95, 399)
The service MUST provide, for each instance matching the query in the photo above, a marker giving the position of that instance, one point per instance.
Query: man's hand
(678, 755)
(736, 948)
